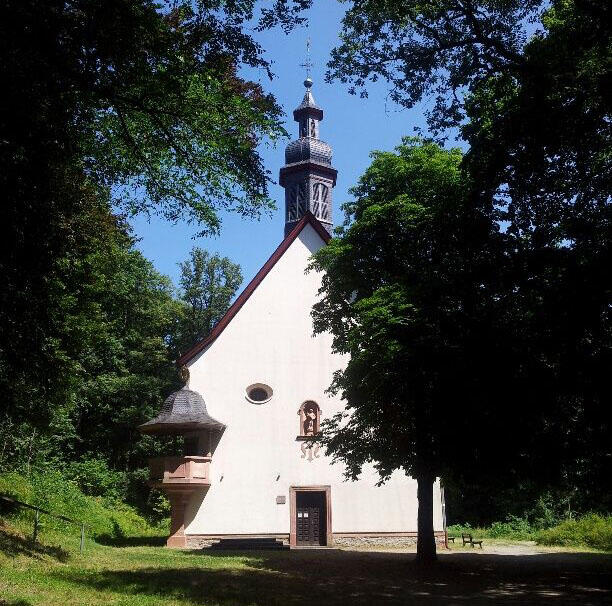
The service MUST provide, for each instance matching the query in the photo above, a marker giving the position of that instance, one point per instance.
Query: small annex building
(256, 391)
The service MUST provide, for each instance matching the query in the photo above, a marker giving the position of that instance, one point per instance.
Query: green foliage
(94, 478)
(592, 530)
(125, 317)
(383, 289)
(436, 49)
(158, 506)
(136, 106)
(517, 528)
(108, 324)
(146, 97)
(526, 85)
(514, 529)
(391, 299)
(115, 321)
(55, 493)
(208, 285)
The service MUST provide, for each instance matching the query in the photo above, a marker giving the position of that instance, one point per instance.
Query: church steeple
(308, 176)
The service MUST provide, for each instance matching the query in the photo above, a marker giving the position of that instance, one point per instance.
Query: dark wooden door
(310, 523)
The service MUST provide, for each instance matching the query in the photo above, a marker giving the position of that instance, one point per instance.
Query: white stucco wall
(270, 341)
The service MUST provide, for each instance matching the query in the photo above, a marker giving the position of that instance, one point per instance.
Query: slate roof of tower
(308, 148)
(307, 102)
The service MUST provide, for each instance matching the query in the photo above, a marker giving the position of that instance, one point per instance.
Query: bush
(517, 529)
(591, 530)
(57, 494)
(94, 478)
(514, 528)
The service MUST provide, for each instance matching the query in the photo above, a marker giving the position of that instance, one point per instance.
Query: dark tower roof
(184, 410)
(308, 106)
(307, 148)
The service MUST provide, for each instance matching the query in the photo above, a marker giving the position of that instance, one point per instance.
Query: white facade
(270, 340)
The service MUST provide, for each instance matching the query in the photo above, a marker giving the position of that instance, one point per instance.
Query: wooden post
(82, 537)
(35, 533)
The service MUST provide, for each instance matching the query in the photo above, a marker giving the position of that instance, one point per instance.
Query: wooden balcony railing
(180, 470)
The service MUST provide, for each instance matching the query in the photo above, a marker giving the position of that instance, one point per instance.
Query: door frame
(293, 490)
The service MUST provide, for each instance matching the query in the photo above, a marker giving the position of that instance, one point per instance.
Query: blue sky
(352, 126)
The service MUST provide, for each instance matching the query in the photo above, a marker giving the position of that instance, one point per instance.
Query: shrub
(53, 492)
(458, 529)
(514, 528)
(94, 478)
(592, 530)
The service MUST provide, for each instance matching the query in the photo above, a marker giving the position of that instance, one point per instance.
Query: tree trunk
(426, 543)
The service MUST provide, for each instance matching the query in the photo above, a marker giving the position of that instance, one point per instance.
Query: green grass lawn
(140, 573)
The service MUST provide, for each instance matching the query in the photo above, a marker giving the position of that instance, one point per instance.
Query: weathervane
(307, 64)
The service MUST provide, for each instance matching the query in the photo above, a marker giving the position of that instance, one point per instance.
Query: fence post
(35, 533)
(82, 537)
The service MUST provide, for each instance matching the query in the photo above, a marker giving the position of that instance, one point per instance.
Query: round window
(258, 393)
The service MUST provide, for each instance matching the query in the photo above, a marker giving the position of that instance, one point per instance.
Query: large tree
(390, 299)
(527, 86)
(136, 104)
(455, 369)
(208, 284)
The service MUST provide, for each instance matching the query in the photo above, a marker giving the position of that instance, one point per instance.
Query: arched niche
(310, 419)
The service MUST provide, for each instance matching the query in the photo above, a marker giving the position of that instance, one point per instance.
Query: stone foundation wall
(199, 543)
(374, 541)
(388, 541)
(339, 541)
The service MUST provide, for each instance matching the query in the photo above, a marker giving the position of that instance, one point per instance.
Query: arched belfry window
(310, 419)
(320, 204)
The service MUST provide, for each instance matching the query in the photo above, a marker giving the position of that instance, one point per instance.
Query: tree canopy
(110, 108)
(456, 368)
(526, 86)
(390, 299)
(208, 284)
(144, 96)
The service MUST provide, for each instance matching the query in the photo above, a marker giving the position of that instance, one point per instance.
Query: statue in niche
(310, 422)
(310, 417)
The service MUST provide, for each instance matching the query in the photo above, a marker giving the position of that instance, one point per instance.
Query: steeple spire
(308, 176)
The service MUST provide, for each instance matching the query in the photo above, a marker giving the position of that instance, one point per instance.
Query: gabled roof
(307, 219)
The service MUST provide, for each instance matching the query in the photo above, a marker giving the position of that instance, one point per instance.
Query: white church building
(248, 469)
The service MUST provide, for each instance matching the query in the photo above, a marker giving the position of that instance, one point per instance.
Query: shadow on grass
(13, 545)
(131, 541)
(15, 603)
(337, 578)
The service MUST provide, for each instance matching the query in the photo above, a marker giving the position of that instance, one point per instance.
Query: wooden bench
(468, 539)
(451, 539)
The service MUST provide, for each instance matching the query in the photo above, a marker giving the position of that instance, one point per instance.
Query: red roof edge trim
(307, 219)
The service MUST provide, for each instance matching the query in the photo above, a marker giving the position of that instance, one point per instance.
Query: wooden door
(310, 523)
